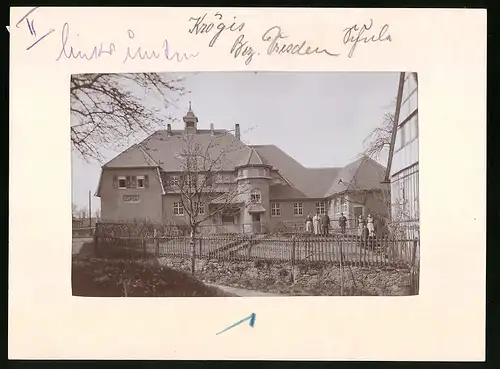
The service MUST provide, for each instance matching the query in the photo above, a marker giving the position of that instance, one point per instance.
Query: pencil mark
(30, 23)
(251, 319)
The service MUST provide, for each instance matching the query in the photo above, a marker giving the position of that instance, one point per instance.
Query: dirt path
(241, 292)
(78, 243)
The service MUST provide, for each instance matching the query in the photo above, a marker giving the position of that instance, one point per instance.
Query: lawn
(118, 278)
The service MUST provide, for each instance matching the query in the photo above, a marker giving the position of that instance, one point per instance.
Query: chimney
(237, 131)
(212, 131)
(169, 130)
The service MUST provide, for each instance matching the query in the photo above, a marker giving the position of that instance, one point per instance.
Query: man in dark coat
(325, 224)
(342, 222)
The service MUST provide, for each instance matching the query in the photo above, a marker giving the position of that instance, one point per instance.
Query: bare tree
(74, 210)
(207, 183)
(106, 111)
(379, 139)
(83, 213)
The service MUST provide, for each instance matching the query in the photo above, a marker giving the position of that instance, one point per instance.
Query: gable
(360, 175)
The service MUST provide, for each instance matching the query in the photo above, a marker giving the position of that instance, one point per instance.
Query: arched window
(255, 196)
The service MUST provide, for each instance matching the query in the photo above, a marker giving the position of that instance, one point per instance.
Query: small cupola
(190, 121)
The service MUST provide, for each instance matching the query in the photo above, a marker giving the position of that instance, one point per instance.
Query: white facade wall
(405, 169)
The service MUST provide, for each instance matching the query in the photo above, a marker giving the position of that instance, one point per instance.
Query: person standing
(325, 224)
(361, 225)
(316, 223)
(309, 224)
(369, 225)
(342, 222)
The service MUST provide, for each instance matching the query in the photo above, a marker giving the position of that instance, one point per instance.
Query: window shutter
(209, 180)
(115, 182)
(134, 181)
(146, 182)
(128, 181)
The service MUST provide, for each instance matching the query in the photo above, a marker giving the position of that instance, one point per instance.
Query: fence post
(156, 242)
(293, 261)
(413, 278)
(96, 244)
(200, 246)
(250, 244)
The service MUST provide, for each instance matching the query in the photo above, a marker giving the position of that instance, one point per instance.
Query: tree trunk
(193, 249)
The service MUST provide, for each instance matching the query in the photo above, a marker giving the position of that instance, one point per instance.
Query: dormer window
(140, 182)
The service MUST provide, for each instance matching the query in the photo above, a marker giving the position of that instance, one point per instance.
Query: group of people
(320, 224)
(365, 226)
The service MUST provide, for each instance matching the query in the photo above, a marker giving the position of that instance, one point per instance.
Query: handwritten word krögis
(200, 27)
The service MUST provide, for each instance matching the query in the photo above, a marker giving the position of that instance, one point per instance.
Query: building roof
(311, 182)
(360, 175)
(163, 151)
(284, 192)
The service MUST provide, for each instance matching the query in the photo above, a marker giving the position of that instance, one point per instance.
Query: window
(400, 138)
(140, 182)
(174, 181)
(201, 207)
(209, 179)
(414, 127)
(178, 209)
(297, 209)
(407, 133)
(275, 209)
(227, 218)
(122, 182)
(320, 208)
(337, 206)
(188, 180)
(255, 196)
(343, 204)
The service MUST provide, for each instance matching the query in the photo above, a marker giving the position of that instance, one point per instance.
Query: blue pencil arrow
(251, 317)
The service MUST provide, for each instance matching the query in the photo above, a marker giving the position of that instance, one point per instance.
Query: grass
(96, 277)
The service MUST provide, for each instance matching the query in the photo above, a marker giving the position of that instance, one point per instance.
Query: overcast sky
(320, 119)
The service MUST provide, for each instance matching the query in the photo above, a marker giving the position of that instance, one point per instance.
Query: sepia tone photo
(241, 184)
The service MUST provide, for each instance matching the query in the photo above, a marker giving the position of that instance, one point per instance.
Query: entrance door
(357, 211)
(256, 222)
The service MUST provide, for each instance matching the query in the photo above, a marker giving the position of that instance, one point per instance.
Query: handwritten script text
(356, 34)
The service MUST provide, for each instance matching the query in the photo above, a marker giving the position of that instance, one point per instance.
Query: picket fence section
(349, 249)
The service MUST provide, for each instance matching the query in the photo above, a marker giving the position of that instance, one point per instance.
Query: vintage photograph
(242, 184)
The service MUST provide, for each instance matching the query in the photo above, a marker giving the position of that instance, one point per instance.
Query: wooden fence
(351, 249)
